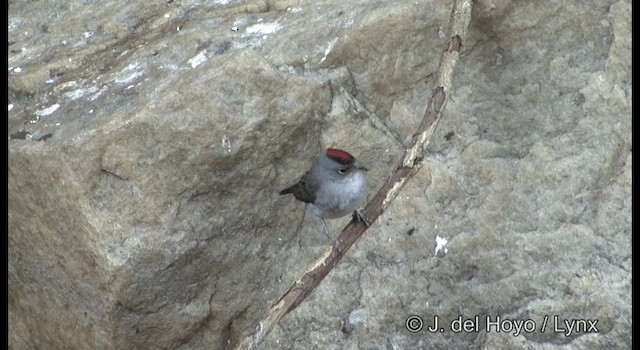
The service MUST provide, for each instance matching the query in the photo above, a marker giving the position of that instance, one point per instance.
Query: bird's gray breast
(338, 198)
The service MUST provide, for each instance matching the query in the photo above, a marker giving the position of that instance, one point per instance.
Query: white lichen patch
(198, 59)
(440, 245)
(130, 73)
(48, 110)
(263, 28)
(330, 46)
(76, 94)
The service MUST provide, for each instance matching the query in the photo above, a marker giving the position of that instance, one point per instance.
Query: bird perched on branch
(335, 186)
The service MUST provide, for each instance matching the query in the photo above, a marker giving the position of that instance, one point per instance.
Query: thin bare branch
(408, 165)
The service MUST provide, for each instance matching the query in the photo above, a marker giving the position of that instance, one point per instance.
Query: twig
(409, 164)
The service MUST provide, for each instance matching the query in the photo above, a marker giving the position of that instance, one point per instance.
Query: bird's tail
(288, 190)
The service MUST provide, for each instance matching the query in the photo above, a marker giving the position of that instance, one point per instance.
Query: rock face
(148, 141)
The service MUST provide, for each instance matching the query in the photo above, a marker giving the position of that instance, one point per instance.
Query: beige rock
(148, 141)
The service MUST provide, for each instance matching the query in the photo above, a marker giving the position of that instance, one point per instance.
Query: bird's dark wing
(305, 190)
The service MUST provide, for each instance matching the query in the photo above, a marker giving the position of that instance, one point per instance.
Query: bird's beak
(359, 166)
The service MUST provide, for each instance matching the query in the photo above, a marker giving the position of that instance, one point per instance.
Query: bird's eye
(342, 171)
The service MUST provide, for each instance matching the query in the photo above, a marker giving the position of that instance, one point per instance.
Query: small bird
(335, 186)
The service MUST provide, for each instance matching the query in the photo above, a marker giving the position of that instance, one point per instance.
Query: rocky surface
(148, 141)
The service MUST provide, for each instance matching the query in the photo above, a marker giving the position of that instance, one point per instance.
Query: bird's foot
(359, 216)
(336, 244)
(333, 241)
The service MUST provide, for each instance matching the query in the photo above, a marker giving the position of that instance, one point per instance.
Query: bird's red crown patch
(340, 156)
